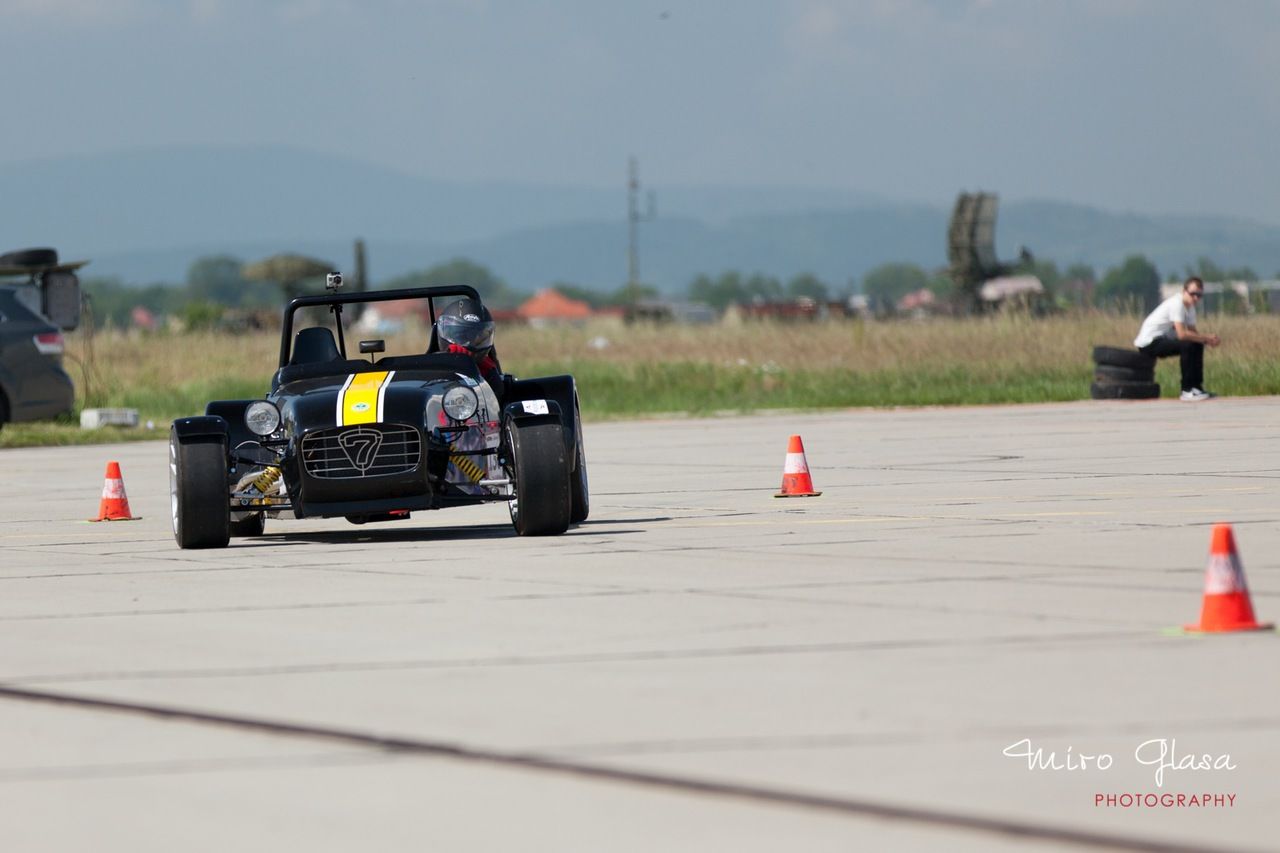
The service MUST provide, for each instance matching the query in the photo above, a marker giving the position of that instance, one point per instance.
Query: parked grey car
(39, 297)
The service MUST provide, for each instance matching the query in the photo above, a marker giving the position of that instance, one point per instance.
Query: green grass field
(649, 370)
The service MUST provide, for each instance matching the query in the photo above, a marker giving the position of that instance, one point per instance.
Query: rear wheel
(579, 491)
(198, 493)
(539, 470)
(4, 410)
(252, 525)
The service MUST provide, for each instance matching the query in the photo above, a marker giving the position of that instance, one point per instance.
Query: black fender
(201, 428)
(232, 411)
(531, 411)
(561, 395)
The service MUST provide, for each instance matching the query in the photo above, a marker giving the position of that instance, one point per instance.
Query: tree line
(216, 289)
(1133, 283)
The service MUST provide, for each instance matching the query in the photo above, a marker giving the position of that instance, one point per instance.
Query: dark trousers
(1192, 358)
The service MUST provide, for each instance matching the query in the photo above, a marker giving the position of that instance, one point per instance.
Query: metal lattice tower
(634, 218)
(633, 222)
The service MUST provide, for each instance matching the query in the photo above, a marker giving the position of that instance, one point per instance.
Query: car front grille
(370, 450)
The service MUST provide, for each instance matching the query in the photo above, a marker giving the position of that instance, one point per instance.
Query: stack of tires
(30, 258)
(1123, 374)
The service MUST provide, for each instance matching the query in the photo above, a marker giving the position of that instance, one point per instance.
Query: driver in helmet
(466, 327)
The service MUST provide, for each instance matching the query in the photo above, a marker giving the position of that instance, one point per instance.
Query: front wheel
(198, 493)
(580, 497)
(539, 469)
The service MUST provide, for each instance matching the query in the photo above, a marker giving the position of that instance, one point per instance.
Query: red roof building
(550, 305)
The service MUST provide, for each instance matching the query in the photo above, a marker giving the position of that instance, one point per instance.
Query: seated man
(1171, 330)
(465, 326)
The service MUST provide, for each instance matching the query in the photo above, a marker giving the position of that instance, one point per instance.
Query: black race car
(377, 437)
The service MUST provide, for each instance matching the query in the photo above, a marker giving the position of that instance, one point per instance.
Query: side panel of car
(34, 384)
(8, 383)
(14, 368)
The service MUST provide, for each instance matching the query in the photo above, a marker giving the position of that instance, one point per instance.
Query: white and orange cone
(114, 505)
(796, 482)
(1226, 597)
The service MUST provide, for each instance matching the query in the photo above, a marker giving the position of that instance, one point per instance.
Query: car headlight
(460, 402)
(262, 417)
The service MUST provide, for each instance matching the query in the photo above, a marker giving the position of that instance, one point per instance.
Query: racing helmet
(467, 323)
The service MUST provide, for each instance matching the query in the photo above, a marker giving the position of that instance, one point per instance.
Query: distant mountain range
(144, 216)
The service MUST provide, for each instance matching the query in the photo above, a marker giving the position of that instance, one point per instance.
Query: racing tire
(4, 410)
(1114, 373)
(198, 499)
(29, 258)
(1124, 390)
(539, 470)
(253, 525)
(579, 488)
(1118, 357)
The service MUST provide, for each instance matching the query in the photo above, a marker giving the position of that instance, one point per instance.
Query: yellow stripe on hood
(360, 400)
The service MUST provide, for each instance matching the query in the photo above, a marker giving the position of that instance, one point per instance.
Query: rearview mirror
(372, 346)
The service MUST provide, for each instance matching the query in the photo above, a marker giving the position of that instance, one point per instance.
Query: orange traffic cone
(114, 505)
(796, 482)
(1226, 598)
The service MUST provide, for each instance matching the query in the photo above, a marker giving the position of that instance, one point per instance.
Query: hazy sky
(1142, 105)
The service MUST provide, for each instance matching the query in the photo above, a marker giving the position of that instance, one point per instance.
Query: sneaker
(1195, 395)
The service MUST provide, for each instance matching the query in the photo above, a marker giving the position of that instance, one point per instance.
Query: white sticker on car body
(535, 407)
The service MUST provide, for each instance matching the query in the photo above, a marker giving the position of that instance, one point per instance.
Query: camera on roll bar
(333, 281)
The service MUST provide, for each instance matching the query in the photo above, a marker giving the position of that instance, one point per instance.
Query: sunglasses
(1195, 294)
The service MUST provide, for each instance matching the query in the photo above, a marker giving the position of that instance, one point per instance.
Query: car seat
(314, 346)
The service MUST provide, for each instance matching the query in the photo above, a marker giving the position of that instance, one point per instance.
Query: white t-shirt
(1159, 323)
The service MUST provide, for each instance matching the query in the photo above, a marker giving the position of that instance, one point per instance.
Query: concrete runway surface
(699, 666)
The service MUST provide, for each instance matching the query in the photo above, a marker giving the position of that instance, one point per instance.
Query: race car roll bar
(335, 301)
